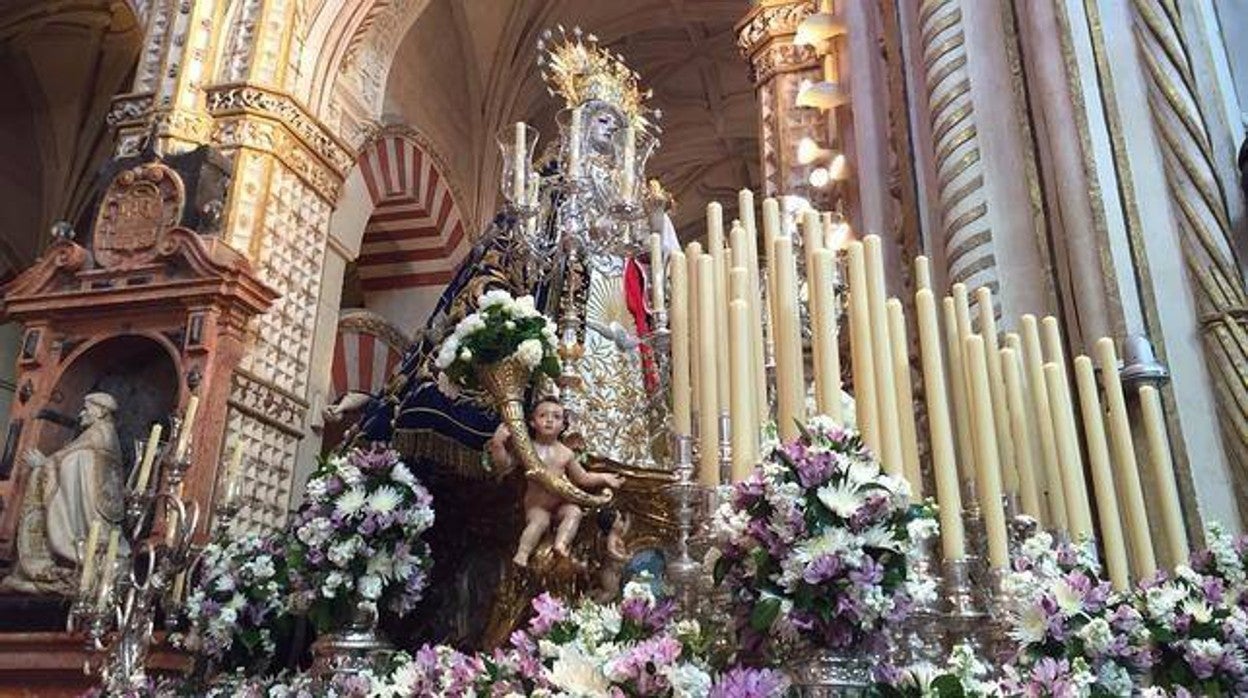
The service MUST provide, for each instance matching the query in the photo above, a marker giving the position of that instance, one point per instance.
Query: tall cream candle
(771, 230)
(1050, 471)
(745, 209)
(656, 271)
(962, 312)
(149, 457)
(963, 427)
(678, 319)
(574, 141)
(88, 554)
(790, 388)
(828, 354)
(628, 175)
(107, 568)
(864, 354)
(693, 252)
(1102, 476)
(719, 271)
(744, 429)
(944, 461)
(812, 239)
(188, 426)
(996, 382)
(1126, 471)
(1163, 476)
(987, 470)
(1034, 458)
(1078, 511)
(520, 162)
(900, 347)
(885, 382)
(922, 273)
(1020, 430)
(708, 398)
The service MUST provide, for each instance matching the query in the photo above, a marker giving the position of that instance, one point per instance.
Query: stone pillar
(212, 77)
(987, 212)
(778, 68)
(1192, 157)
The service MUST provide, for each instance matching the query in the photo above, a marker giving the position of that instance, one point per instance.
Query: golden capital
(765, 38)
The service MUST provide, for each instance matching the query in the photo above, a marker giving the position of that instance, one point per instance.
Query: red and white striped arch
(367, 350)
(416, 234)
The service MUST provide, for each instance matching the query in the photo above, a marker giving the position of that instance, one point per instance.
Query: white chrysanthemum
(687, 680)
(496, 297)
(400, 474)
(1069, 599)
(1097, 635)
(370, 587)
(578, 674)
(832, 541)
(525, 307)
(317, 488)
(841, 499)
(639, 589)
(862, 472)
(384, 500)
(922, 527)
(350, 474)
(465, 354)
(880, 537)
(447, 353)
(1200, 611)
(350, 502)
(529, 353)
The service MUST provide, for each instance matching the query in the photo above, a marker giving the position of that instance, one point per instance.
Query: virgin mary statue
(573, 235)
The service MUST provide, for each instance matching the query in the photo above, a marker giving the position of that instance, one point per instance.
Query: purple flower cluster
(748, 682)
(237, 608)
(357, 536)
(813, 545)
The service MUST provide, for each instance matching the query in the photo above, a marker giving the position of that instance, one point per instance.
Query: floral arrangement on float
(358, 537)
(504, 330)
(813, 546)
(238, 612)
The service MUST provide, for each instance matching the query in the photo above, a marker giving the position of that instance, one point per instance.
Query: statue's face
(547, 420)
(601, 128)
(90, 414)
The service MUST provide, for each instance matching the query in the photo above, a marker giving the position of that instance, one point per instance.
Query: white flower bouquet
(357, 537)
(237, 611)
(813, 546)
(502, 328)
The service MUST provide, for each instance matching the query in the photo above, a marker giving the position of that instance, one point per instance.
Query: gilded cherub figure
(541, 506)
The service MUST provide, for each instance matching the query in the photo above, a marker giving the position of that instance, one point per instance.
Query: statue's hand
(613, 481)
(34, 458)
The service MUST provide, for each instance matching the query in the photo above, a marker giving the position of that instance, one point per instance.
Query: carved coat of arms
(140, 205)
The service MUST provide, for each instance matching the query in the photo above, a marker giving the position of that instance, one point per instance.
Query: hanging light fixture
(820, 26)
(819, 177)
(825, 94)
(808, 151)
(838, 168)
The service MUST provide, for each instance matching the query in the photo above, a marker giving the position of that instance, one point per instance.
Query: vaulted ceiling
(467, 68)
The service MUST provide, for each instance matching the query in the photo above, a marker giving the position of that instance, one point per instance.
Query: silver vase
(829, 673)
(352, 649)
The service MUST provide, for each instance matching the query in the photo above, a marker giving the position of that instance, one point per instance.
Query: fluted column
(988, 220)
(1199, 202)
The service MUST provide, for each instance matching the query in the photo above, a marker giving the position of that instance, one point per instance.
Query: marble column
(987, 214)
(779, 67)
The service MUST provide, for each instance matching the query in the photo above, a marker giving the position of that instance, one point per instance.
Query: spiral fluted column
(964, 223)
(1201, 211)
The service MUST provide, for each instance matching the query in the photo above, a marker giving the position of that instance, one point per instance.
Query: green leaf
(722, 565)
(948, 686)
(764, 614)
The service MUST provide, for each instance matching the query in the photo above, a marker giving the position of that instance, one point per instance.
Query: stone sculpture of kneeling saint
(540, 504)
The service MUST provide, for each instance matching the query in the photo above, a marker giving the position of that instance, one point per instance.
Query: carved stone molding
(129, 109)
(233, 99)
(765, 37)
(267, 402)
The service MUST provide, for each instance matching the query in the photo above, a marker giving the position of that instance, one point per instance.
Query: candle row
(1001, 406)
(719, 314)
(1019, 442)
